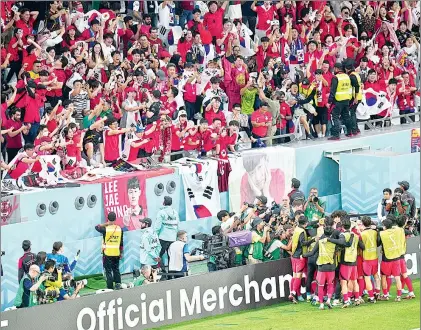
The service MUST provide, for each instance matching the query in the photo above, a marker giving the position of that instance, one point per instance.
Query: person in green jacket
(28, 286)
(259, 236)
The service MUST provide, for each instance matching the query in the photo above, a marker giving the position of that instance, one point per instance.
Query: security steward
(357, 95)
(340, 95)
(112, 250)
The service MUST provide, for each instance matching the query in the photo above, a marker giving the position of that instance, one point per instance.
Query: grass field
(384, 315)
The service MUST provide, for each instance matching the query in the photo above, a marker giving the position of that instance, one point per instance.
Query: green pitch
(385, 315)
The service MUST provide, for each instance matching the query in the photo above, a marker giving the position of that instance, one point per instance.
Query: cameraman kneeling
(146, 275)
(29, 284)
(314, 208)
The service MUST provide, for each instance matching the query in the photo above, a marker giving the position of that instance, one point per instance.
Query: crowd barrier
(174, 301)
(70, 214)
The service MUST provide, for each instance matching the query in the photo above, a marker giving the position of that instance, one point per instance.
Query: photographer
(398, 206)
(54, 281)
(280, 243)
(381, 208)
(261, 207)
(234, 222)
(314, 208)
(259, 237)
(26, 260)
(29, 284)
(408, 197)
(145, 276)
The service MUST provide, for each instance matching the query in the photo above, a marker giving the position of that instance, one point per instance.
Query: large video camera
(215, 248)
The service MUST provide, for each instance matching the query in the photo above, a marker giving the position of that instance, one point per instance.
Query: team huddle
(345, 255)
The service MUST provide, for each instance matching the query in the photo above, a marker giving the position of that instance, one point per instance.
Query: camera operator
(280, 243)
(259, 232)
(54, 281)
(28, 286)
(381, 208)
(261, 208)
(179, 255)
(398, 206)
(409, 198)
(314, 208)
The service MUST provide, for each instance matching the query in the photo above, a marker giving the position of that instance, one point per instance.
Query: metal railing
(372, 124)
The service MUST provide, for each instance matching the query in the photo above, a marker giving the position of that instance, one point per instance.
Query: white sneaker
(323, 135)
(320, 135)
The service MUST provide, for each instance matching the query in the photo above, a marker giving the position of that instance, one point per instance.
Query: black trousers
(164, 249)
(311, 269)
(14, 67)
(11, 153)
(340, 113)
(353, 117)
(112, 271)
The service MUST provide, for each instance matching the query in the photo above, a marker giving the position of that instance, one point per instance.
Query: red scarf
(164, 142)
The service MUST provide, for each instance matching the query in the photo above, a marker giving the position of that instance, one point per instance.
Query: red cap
(165, 54)
(70, 27)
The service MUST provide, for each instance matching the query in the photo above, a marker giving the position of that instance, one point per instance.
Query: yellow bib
(326, 253)
(360, 92)
(390, 241)
(344, 88)
(111, 244)
(351, 252)
(296, 237)
(369, 238)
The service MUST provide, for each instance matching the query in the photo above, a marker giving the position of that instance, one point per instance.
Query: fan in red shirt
(196, 24)
(24, 161)
(26, 22)
(406, 96)
(260, 119)
(262, 52)
(265, 15)
(112, 140)
(191, 141)
(213, 19)
(285, 115)
(208, 137)
(178, 130)
(213, 110)
(170, 104)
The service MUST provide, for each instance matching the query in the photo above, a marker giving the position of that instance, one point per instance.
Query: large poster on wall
(258, 172)
(201, 191)
(126, 197)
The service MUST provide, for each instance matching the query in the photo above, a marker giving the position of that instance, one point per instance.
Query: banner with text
(173, 301)
(126, 197)
(415, 140)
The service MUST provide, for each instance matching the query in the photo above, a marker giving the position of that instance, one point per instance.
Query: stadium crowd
(145, 78)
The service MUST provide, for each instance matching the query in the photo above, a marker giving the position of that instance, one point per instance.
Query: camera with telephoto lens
(73, 284)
